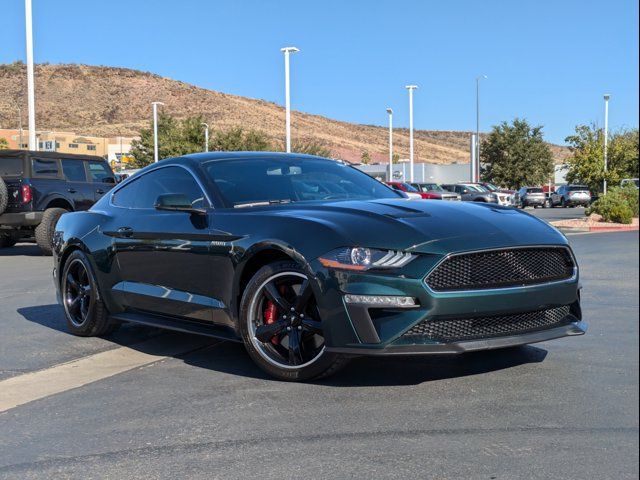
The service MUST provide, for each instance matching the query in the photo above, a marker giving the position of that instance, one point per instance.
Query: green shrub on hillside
(619, 205)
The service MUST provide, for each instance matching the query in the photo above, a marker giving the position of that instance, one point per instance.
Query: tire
(563, 203)
(269, 355)
(4, 196)
(44, 231)
(7, 240)
(89, 317)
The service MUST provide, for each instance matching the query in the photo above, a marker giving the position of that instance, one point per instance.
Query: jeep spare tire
(4, 196)
(44, 231)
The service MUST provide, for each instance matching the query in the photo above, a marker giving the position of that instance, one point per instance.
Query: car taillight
(25, 190)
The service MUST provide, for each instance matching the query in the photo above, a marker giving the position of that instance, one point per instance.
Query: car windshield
(578, 188)
(476, 188)
(491, 187)
(409, 188)
(259, 181)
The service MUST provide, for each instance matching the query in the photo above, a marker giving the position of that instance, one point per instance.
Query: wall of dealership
(437, 173)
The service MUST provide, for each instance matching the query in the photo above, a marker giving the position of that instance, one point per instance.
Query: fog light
(381, 301)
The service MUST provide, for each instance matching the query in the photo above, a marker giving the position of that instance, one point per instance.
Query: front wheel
(281, 325)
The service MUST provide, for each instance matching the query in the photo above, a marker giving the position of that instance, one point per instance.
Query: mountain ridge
(112, 101)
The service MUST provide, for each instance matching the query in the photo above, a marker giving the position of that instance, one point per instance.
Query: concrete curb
(598, 228)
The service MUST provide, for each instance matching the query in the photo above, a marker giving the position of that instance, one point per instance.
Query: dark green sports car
(309, 262)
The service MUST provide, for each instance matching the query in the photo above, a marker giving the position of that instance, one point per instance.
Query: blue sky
(547, 61)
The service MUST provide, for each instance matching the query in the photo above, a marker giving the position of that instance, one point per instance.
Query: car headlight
(361, 258)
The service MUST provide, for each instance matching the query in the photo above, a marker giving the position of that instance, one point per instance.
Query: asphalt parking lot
(561, 409)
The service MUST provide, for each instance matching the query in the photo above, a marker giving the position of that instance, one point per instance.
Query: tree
(180, 137)
(310, 147)
(516, 154)
(365, 158)
(586, 165)
(3, 144)
(239, 139)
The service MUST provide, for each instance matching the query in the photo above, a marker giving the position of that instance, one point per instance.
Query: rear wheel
(44, 231)
(85, 312)
(281, 325)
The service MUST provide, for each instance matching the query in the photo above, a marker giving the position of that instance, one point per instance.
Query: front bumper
(375, 330)
(573, 329)
(20, 219)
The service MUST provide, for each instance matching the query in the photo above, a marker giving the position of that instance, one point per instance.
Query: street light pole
(155, 130)
(287, 94)
(411, 88)
(31, 97)
(606, 138)
(206, 137)
(477, 174)
(390, 112)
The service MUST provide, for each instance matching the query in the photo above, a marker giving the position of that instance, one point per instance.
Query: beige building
(111, 148)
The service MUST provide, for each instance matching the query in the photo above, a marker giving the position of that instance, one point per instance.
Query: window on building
(91, 147)
(73, 145)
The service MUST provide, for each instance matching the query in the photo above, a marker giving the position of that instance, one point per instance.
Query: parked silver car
(571, 196)
(531, 197)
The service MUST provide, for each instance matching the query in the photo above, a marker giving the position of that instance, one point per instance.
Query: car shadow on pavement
(231, 357)
(25, 249)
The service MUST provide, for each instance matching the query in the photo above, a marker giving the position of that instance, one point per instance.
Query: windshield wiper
(262, 203)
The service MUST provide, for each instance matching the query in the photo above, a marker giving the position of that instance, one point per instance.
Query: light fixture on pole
(606, 138)
(206, 136)
(155, 130)
(411, 88)
(31, 97)
(477, 173)
(390, 112)
(287, 94)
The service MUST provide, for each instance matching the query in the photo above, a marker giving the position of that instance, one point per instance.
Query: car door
(79, 189)
(102, 177)
(555, 196)
(167, 259)
(464, 192)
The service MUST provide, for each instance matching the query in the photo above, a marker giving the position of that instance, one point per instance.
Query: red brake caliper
(270, 316)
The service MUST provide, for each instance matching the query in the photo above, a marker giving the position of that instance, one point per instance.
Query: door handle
(71, 190)
(125, 232)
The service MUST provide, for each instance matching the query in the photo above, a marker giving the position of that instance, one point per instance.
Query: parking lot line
(32, 386)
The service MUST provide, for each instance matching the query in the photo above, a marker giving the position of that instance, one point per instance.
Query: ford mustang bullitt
(310, 262)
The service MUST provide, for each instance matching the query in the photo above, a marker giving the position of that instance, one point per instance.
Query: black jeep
(36, 188)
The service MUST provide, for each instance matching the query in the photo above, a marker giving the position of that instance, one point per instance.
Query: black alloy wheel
(78, 293)
(281, 325)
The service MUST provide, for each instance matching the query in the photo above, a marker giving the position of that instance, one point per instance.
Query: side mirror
(177, 202)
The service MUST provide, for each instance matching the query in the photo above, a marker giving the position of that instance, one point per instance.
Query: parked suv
(531, 197)
(571, 196)
(36, 188)
(472, 193)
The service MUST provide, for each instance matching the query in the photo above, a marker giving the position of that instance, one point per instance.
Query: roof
(32, 153)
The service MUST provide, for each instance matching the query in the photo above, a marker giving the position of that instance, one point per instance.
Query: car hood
(426, 226)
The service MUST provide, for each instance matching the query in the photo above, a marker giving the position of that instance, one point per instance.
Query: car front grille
(501, 269)
(461, 329)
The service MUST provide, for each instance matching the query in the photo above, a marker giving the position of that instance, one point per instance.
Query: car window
(45, 167)
(99, 172)
(73, 170)
(578, 188)
(245, 181)
(145, 190)
(535, 190)
(11, 167)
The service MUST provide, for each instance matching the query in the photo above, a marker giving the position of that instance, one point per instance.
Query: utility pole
(411, 88)
(606, 138)
(31, 97)
(390, 112)
(206, 137)
(287, 94)
(478, 121)
(155, 130)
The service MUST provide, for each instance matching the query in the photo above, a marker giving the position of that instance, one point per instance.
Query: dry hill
(109, 101)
